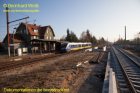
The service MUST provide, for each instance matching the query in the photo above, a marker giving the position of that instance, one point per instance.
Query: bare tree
(86, 36)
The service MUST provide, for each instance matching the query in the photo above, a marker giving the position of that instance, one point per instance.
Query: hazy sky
(104, 18)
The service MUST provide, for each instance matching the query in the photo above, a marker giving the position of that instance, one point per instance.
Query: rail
(130, 68)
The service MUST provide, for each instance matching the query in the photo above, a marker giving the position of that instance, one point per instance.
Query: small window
(36, 31)
(47, 31)
(34, 37)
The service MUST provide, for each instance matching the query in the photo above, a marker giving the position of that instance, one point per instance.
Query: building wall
(23, 31)
(49, 34)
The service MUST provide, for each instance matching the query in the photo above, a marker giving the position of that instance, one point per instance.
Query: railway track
(127, 71)
(97, 58)
(16, 64)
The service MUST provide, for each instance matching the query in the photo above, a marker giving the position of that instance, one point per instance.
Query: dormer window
(36, 31)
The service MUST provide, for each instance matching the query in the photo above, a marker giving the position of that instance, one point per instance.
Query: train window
(75, 46)
(72, 46)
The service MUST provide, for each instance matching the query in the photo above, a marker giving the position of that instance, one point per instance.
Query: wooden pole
(125, 33)
(8, 39)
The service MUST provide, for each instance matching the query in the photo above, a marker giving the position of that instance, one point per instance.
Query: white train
(66, 47)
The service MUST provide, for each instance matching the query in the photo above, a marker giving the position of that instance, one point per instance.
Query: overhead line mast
(125, 33)
(8, 37)
(7, 22)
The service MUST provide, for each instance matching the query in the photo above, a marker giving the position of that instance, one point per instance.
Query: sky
(104, 18)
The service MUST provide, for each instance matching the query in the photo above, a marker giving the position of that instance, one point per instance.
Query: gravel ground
(137, 53)
(6, 59)
(60, 72)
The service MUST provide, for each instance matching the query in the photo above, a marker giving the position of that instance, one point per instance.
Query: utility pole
(8, 37)
(8, 40)
(14, 40)
(125, 37)
(125, 33)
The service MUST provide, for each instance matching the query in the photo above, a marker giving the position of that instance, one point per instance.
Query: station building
(32, 38)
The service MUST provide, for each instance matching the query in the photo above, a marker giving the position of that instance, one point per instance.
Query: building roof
(43, 30)
(0, 43)
(43, 40)
(17, 38)
(31, 28)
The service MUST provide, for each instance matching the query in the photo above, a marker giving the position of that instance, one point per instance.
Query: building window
(36, 31)
(24, 31)
(47, 31)
(34, 37)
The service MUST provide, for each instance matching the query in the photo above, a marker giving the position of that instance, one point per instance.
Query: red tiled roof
(41, 30)
(31, 28)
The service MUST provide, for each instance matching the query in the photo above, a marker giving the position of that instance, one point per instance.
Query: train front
(64, 47)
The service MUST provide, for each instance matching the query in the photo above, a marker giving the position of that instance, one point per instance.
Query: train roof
(79, 43)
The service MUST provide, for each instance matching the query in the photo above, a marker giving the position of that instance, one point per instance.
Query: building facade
(32, 38)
